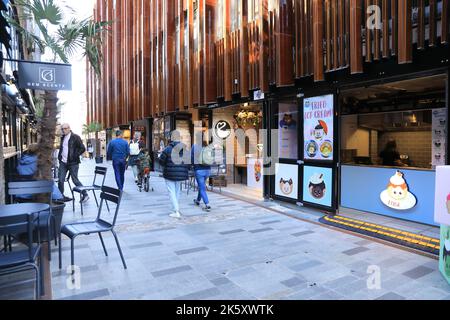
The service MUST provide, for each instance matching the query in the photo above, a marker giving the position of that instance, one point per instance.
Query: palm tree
(85, 131)
(70, 36)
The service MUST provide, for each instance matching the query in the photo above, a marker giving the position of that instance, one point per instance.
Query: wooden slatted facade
(164, 56)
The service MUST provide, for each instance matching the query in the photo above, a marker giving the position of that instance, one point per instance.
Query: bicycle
(144, 181)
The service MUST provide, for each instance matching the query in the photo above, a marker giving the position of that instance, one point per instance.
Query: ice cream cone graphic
(397, 195)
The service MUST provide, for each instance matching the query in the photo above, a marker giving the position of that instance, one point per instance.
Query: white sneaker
(176, 215)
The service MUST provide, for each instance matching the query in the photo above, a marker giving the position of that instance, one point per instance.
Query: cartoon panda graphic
(286, 186)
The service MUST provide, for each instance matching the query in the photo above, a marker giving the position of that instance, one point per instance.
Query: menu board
(318, 185)
(287, 131)
(318, 128)
(255, 173)
(439, 133)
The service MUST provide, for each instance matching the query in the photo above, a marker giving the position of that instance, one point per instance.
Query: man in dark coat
(175, 170)
(70, 152)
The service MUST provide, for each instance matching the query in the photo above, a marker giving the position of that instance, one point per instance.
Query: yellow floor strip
(394, 233)
(390, 229)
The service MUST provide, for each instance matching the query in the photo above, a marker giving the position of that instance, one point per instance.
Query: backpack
(134, 148)
(206, 156)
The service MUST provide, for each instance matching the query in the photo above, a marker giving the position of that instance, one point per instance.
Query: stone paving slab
(237, 251)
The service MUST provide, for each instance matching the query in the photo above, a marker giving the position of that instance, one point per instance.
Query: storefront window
(183, 127)
(400, 124)
(288, 131)
(158, 135)
(405, 139)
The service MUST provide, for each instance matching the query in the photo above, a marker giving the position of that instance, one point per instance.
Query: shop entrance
(393, 135)
(237, 133)
(305, 172)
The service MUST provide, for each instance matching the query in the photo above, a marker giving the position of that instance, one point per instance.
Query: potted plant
(96, 127)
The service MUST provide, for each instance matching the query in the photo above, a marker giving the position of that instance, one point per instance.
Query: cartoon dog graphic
(286, 186)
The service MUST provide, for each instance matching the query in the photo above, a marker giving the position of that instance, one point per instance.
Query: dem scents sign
(45, 76)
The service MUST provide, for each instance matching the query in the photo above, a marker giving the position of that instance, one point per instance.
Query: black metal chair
(98, 226)
(101, 171)
(191, 182)
(48, 220)
(216, 173)
(21, 260)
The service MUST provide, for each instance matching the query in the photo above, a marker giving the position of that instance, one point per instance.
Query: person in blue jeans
(202, 158)
(175, 171)
(118, 151)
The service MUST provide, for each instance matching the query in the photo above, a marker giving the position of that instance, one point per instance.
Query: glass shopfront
(393, 136)
(305, 172)
(237, 137)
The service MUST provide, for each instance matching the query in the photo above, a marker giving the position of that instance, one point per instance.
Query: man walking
(118, 151)
(175, 171)
(69, 159)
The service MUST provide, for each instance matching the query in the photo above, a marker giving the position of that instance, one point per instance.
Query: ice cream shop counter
(399, 192)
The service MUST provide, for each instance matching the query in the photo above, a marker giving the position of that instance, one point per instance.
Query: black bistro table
(17, 209)
(10, 210)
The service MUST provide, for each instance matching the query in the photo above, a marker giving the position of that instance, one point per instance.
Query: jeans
(174, 188)
(135, 171)
(202, 176)
(73, 170)
(119, 171)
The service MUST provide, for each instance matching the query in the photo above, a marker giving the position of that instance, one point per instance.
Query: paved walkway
(237, 251)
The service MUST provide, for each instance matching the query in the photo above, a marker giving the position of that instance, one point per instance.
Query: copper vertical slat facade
(284, 43)
(368, 39)
(404, 32)
(317, 40)
(445, 21)
(152, 66)
(356, 59)
(432, 28)
(207, 33)
(421, 25)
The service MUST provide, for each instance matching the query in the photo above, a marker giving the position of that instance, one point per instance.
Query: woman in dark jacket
(27, 168)
(175, 171)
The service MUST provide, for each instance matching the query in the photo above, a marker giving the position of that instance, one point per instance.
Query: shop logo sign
(222, 129)
(397, 195)
(47, 75)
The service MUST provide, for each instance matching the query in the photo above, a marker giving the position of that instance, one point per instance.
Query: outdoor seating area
(28, 228)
